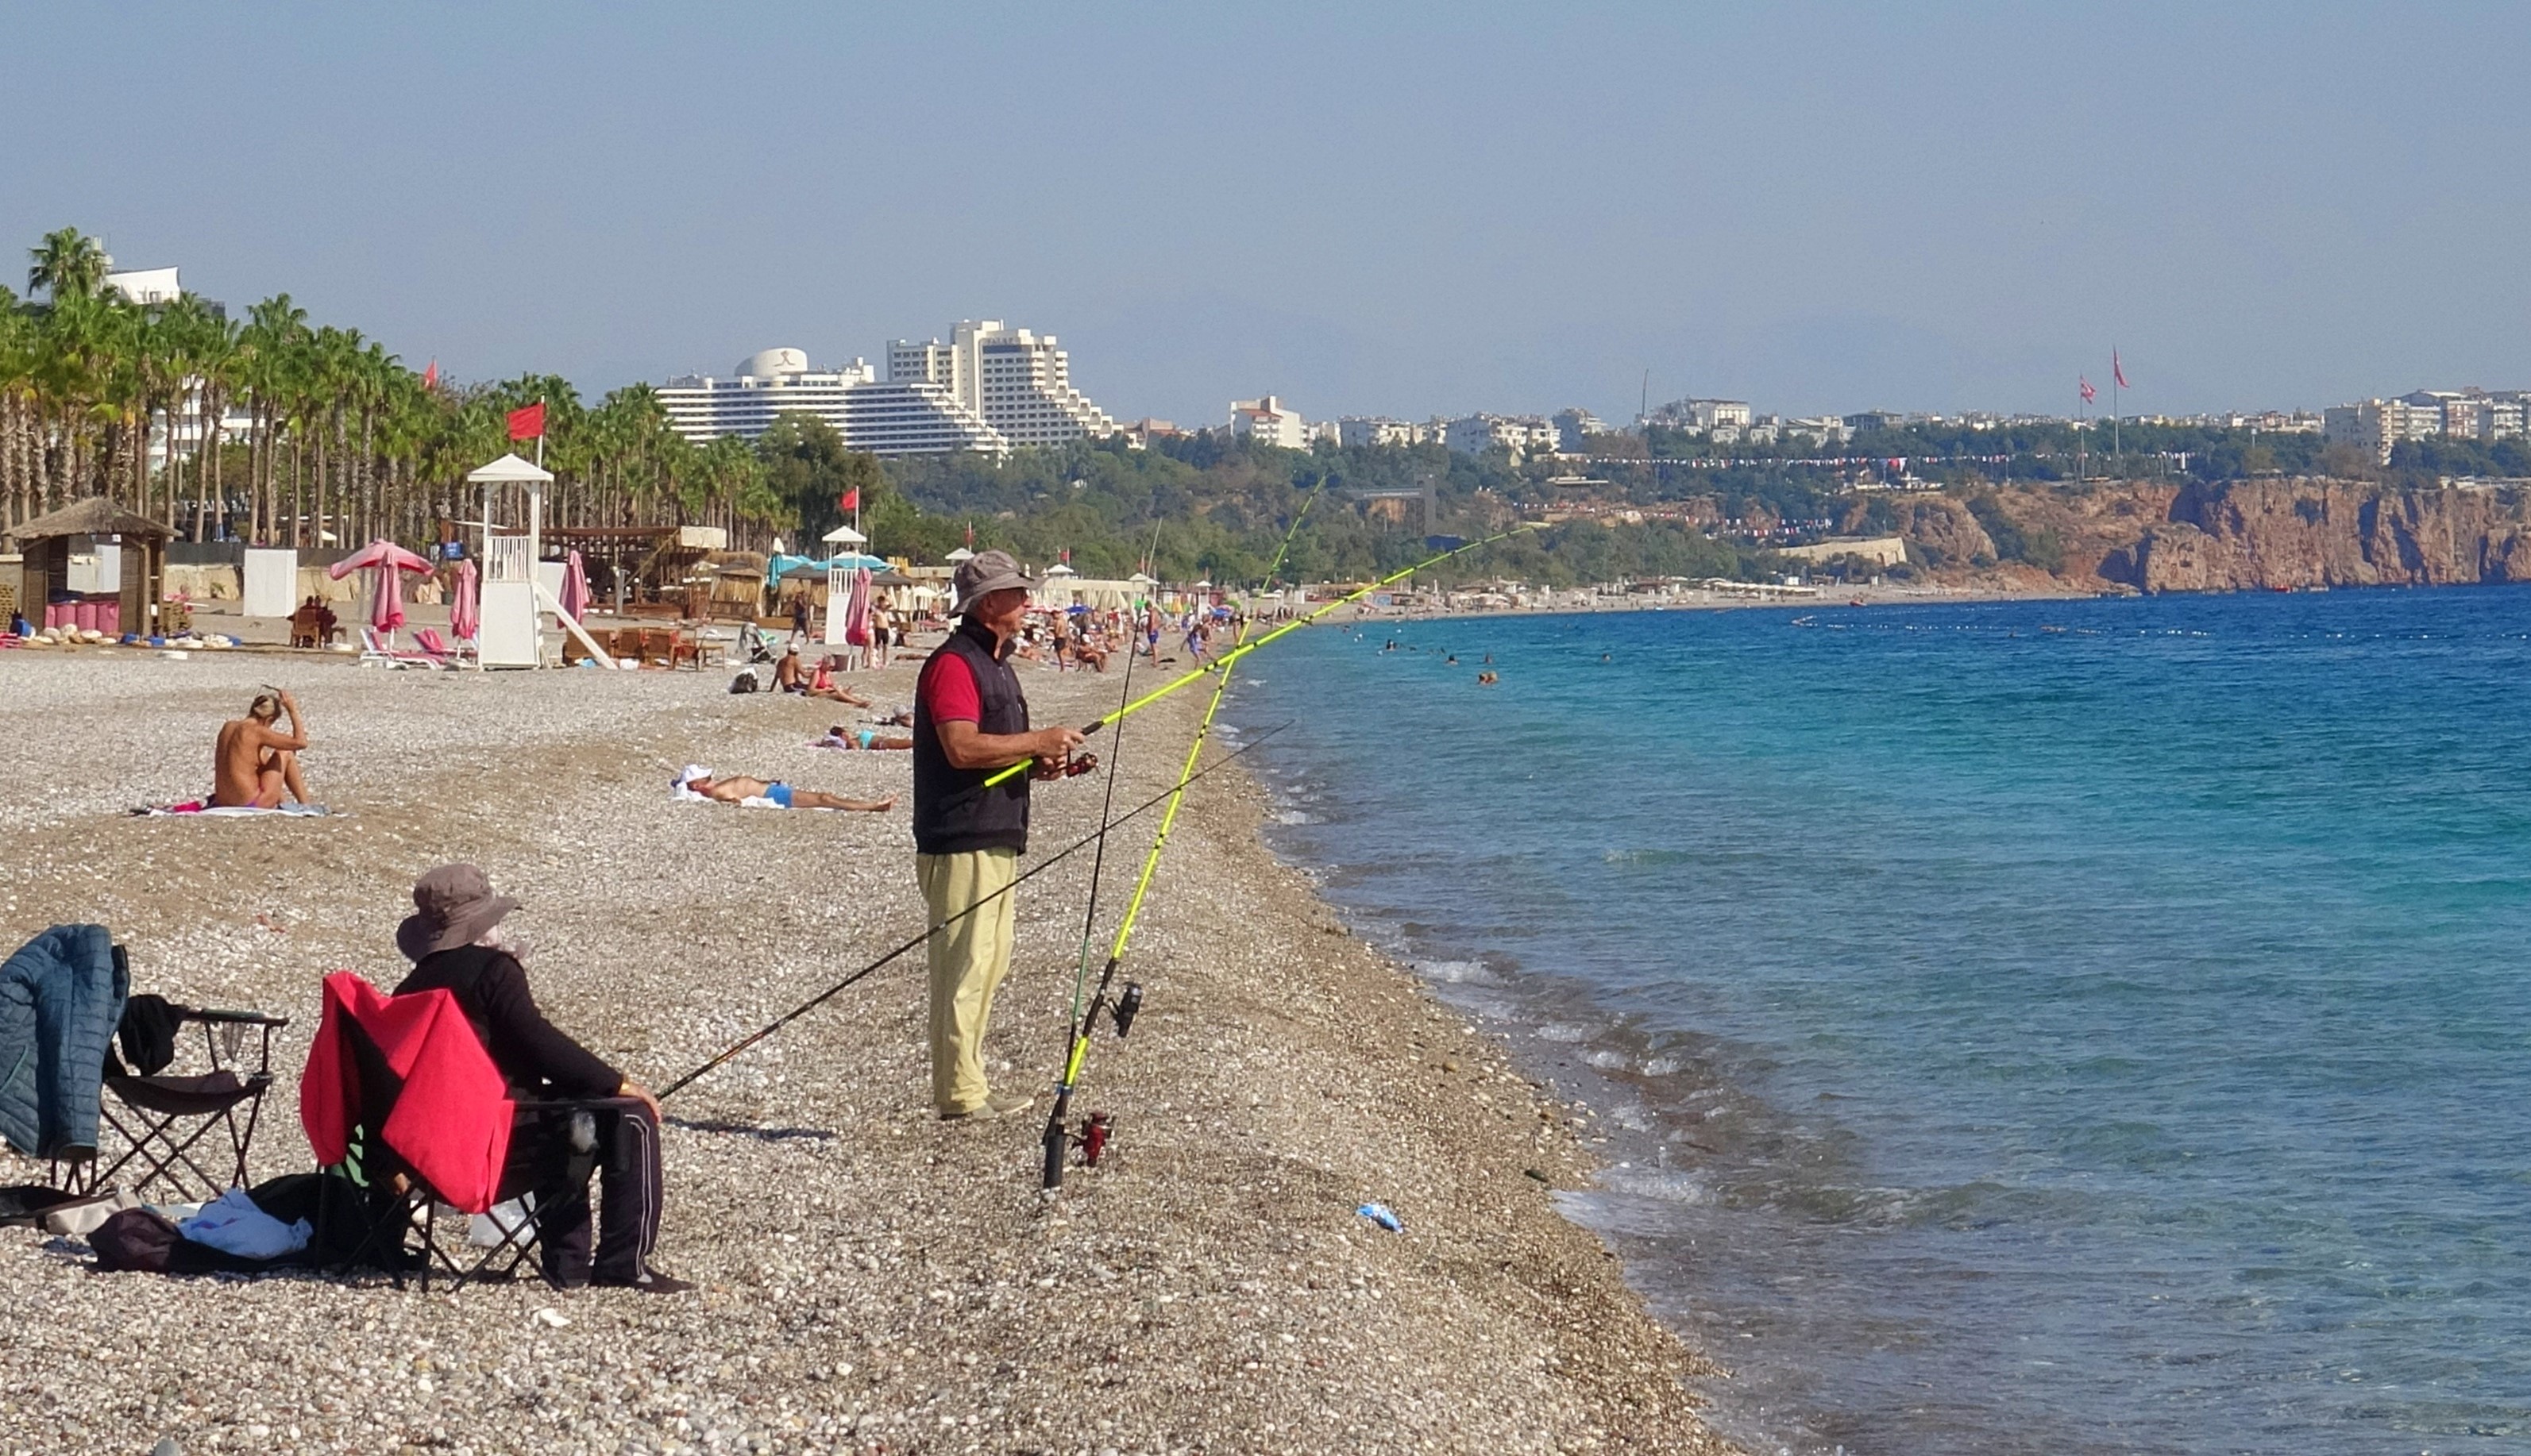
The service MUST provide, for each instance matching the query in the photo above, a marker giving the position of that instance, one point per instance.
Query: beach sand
(871, 1277)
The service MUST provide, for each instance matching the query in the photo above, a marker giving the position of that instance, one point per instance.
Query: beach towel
(206, 808)
(233, 1224)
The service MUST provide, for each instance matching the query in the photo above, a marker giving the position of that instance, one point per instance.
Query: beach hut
(92, 564)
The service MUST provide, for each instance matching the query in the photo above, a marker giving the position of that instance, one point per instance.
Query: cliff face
(2253, 534)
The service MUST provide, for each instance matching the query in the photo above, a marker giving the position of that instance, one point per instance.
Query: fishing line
(1057, 1139)
(1084, 842)
(1222, 664)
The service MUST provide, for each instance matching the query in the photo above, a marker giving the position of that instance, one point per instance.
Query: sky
(1364, 210)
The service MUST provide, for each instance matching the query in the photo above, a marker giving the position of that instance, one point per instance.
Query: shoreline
(873, 1279)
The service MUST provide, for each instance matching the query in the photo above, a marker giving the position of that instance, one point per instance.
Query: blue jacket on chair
(61, 998)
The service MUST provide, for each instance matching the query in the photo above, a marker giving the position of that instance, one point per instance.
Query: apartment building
(896, 416)
(1522, 435)
(1377, 429)
(1266, 421)
(1703, 417)
(1017, 381)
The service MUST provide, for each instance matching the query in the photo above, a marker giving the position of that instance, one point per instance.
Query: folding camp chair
(404, 1229)
(165, 1117)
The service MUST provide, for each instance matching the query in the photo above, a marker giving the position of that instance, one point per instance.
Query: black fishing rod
(1223, 662)
(1057, 1139)
(1084, 842)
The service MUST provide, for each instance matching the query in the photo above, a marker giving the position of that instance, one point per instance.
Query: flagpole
(2117, 381)
(2081, 418)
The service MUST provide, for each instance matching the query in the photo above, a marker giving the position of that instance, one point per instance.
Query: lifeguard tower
(511, 633)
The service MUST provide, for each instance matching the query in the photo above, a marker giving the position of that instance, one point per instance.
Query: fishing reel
(1076, 767)
(1060, 1141)
(1128, 1006)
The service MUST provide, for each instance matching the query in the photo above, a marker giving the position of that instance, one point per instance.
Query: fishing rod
(1222, 664)
(1084, 842)
(1058, 1138)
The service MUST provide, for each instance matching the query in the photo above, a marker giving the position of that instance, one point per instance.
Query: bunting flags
(528, 423)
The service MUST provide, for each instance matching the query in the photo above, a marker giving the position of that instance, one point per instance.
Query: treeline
(341, 438)
(1213, 508)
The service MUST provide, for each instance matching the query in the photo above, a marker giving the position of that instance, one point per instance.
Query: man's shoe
(567, 1280)
(1000, 1104)
(651, 1282)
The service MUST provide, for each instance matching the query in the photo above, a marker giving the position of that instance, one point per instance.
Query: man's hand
(635, 1089)
(1056, 743)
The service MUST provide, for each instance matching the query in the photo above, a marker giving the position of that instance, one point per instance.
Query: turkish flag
(529, 422)
(2089, 393)
(430, 376)
(851, 500)
(2117, 372)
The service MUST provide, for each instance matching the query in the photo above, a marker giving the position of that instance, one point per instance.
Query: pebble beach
(869, 1279)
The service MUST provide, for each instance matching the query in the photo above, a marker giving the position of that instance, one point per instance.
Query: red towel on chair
(451, 1119)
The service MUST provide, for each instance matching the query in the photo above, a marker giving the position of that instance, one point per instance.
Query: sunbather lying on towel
(841, 737)
(255, 763)
(737, 789)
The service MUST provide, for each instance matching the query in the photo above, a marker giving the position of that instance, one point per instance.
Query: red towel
(451, 1119)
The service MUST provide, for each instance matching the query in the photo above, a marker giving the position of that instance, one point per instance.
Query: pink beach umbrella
(575, 588)
(388, 560)
(465, 609)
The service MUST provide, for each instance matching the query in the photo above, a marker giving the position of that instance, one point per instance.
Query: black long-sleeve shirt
(491, 987)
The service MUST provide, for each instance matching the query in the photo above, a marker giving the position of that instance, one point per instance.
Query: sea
(2064, 1026)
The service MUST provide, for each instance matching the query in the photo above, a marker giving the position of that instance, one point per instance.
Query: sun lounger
(375, 653)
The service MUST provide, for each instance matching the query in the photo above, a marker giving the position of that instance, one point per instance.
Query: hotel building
(1012, 380)
(896, 416)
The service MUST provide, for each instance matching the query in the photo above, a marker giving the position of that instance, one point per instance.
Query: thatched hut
(89, 564)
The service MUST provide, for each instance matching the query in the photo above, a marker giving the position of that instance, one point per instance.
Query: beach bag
(744, 682)
(135, 1239)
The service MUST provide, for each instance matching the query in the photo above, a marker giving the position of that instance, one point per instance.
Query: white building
(1521, 434)
(1016, 381)
(1366, 430)
(2378, 424)
(898, 416)
(1266, 421)
(1574, 428)
(1703, 415)
(145, 285)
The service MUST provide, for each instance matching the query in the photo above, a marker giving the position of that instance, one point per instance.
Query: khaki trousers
(969, 960)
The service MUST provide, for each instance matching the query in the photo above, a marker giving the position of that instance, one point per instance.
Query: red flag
(2117, 374)
(971, 535)
(2089, 393)
(529, 422)
(430, 376)
(851, 501)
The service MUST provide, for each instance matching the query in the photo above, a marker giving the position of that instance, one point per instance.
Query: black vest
(953, 811)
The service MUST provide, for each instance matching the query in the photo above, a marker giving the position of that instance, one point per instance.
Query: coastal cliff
(2275, 534)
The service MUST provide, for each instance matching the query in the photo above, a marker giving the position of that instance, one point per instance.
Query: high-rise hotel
(989, 388)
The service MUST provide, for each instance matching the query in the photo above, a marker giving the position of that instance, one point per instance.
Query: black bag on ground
(135, 1238)
(744, 682)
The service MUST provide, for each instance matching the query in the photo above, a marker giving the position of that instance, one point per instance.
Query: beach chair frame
(163, 1117)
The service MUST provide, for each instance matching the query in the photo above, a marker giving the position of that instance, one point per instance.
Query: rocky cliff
(2252, 534)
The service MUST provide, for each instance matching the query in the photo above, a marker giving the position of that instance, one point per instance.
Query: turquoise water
(2063, 1027)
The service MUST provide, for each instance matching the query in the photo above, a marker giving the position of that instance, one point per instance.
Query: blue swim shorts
(779, 793)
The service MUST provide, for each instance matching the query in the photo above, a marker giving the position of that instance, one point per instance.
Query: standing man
(970, 719)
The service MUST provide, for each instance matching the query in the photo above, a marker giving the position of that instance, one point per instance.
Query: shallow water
(2066, 1027)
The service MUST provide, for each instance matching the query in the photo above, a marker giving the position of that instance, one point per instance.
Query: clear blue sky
(1366, 209)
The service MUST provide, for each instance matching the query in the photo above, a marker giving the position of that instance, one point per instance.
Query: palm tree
(68, 264)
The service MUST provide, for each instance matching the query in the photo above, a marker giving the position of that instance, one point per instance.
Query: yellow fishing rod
(1093, 1138)
(1222, 664)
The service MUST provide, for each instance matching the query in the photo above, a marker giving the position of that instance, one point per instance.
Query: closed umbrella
(575, 588)
(465, 610)
(857, 609)
(389, 561)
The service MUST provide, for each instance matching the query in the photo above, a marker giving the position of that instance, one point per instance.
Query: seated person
(253, 763)
(697, 781)
(822, 684)
(453, 940)
(841, 737)
(786, 673)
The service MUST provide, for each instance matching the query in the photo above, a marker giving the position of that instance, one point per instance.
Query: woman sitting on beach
(697, 782)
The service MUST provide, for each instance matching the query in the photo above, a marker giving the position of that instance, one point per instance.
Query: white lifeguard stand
(512, 633)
